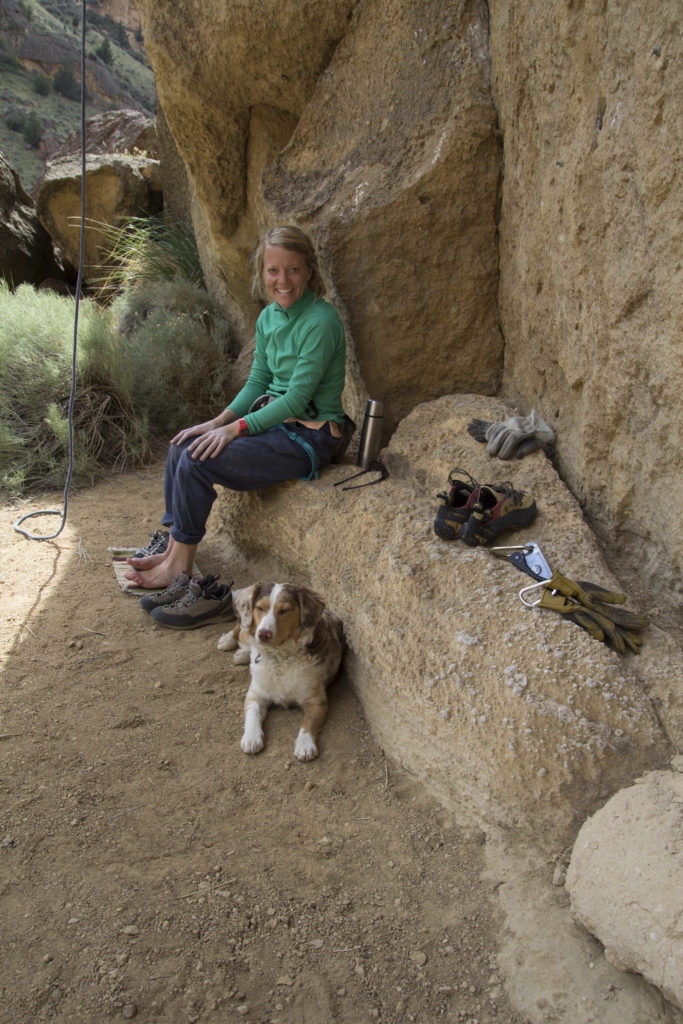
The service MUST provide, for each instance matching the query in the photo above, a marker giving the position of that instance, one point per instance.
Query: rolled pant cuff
(186, 538)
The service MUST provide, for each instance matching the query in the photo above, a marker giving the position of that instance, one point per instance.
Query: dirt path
(152, 870)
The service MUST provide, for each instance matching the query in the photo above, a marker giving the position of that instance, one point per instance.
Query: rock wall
(492, 193)
(472, 194)
(26, 252)
(588, 100)
(378, 134)
(514, 716)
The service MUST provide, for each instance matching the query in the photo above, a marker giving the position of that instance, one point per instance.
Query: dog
(294, 646)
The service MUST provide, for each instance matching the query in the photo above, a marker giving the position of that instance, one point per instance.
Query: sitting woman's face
(285, 275)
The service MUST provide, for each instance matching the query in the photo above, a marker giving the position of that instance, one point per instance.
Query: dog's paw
(305, 748)
(252, 741)
(227, 642)
(242, 657)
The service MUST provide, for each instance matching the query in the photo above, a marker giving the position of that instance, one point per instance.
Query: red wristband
(242, 428)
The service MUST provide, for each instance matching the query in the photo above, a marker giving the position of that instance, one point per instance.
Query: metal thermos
(370, 436)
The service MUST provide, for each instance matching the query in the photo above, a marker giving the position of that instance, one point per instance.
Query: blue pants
(246, 464)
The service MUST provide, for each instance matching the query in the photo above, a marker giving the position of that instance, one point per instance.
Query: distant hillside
(40, 73)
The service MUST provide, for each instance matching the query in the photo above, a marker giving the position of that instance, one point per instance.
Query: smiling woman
(286, 275)
(297, 376)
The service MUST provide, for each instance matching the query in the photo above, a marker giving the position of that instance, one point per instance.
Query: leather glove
(517, 435)
(596, 610)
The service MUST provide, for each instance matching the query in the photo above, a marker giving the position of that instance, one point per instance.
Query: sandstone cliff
(493, 192)
(495, 205)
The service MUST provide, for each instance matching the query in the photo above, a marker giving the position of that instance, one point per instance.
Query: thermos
(370, 436)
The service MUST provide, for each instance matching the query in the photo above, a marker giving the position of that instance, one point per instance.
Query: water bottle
(370, 437)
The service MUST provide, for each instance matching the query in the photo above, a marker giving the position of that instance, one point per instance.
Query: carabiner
(525, 590)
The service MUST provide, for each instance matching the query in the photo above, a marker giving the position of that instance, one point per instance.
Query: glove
(516, 435)
(593, 608)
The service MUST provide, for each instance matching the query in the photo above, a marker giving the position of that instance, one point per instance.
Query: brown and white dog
(295, 646)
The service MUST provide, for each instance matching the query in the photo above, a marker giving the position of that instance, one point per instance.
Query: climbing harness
(315, 461)
(52, 512)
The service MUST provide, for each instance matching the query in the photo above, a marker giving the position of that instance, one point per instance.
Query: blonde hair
(295, 240)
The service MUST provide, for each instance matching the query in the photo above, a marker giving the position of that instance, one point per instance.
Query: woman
(299, 366)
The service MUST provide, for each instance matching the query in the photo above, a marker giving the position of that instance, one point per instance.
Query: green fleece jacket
(300, 359)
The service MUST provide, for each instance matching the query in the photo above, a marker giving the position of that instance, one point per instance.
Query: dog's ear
(243, 602)
(311, 607)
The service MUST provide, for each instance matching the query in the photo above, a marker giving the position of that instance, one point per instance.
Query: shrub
(165, 368)
(32, 129)
(121, 36)
(65, 83)
(105, 52)
(9, 61)
(40, 83)
(14, 119)
(36, 336)
(177, 348)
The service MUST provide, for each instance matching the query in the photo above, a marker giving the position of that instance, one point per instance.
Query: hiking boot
(497, 509)
(158, 543)
(172, 593)
(202, 603)
(455, 505)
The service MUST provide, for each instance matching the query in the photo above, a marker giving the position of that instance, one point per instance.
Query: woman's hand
(211, 442)
(222, 420)
(199, 428)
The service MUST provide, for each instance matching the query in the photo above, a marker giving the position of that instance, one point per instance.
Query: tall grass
(36, 334)
(153, 361)
(147, 249)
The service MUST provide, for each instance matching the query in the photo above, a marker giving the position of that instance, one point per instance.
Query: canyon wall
(588, 100)
(494, 195)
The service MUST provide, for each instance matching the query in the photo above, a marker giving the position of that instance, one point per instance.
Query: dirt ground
(151, 870)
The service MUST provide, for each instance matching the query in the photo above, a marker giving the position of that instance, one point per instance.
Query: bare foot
(157, 578)
(161, 573)
(147, 561)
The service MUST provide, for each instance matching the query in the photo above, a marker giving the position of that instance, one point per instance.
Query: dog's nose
(264, 634)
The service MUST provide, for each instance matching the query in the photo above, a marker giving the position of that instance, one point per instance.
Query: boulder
(516, 718)
(118, 131)
(26, 252)
(117, 187)
(625, 879)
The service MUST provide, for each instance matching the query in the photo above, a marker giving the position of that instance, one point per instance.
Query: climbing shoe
(455, 505)
(158, 543)
(495, 510)
(203, 602)
(172, 593)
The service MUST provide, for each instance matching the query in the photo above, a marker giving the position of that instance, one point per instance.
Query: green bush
(41, 83)
(32, 129)
(154, 361)
(177, 352)
(105, 53)
(14, 119)
(65, 83)
(36, 335)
